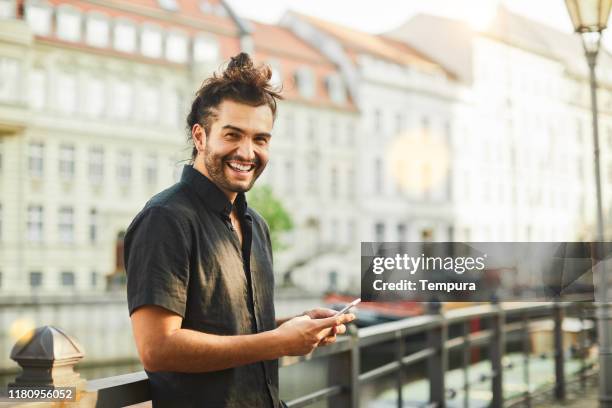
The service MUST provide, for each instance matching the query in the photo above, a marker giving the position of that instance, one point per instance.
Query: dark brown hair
(240, 82)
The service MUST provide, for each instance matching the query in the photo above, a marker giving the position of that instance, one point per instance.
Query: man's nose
(245, 150)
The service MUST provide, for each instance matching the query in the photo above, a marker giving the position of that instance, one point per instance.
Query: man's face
(236, 148)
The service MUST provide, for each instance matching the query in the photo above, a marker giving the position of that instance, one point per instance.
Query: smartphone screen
(349, 306)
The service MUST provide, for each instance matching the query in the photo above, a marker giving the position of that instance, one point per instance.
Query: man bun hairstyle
(241, 82)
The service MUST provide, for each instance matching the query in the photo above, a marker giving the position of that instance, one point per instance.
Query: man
(199, 262)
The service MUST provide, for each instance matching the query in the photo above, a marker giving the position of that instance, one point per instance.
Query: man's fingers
(340, 329)
(335, 320)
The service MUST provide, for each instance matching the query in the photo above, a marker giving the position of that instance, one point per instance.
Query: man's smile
(241, 167)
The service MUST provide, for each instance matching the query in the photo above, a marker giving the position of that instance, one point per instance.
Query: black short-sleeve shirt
(181, 253)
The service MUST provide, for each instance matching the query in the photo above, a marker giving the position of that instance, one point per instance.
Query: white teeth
(240, 167)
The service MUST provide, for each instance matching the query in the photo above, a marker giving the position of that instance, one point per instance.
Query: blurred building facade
(429, 132)
(524, 169)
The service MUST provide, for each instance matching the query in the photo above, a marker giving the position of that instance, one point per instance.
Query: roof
(189, 15)
(376, 45)
(290, 53)
(446, 41)
(449, 42)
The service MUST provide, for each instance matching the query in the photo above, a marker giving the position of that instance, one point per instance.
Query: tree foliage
(272, 210)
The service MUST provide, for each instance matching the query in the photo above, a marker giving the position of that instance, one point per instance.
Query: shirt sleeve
(157, 261)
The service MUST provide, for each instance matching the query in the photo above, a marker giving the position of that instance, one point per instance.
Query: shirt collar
(211, 195)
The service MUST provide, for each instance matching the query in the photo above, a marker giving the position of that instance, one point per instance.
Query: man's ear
(198, 135)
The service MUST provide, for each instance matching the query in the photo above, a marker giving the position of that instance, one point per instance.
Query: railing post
(496, 352)
(437, 363)
(344, 368)
(558, 342)
(47, 357)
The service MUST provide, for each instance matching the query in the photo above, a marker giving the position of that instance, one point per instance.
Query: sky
(384, 15)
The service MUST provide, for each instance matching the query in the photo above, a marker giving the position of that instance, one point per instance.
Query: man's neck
(199, 166)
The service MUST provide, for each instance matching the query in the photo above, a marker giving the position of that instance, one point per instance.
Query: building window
(67, 97)
(38, 89)
(0, 222)
(151, 169)
(7, 8)
(378, 176)
(312, 130)
(289, 177)
(378, 125)
(150, 103)
(333, 131)
(122, 94)
(425, 126)
(350, 182)
(305, 79)
(38, 16)
(336, 89)
(333, 184)
(93, 226)
(66, 225)
(98, 30)
(124, 38)
(312, 174)
(96, 97)
(35, 159)
(67, 279)
(401, 233)
(172, 108)
(124, 168)
(94, 279)
(169, 5)
(10, 79)
(176, 47)
(289, 126)
(96, 165)
(151, 41)
(379, 232)
(66, 162)
(68, 23)
(205, 49)
(35, 223)
(36, 280)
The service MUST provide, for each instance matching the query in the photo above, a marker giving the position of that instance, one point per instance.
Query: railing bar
(526, 353)
(315, 397)
(418, 356)
(474, 338)
(465, 363)
(379, 372)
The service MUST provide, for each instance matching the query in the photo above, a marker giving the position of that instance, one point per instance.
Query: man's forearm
(192, 351)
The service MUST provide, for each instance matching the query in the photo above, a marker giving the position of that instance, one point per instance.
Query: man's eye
(261, 140)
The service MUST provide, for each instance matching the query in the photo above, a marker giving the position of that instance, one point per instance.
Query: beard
(215, 165)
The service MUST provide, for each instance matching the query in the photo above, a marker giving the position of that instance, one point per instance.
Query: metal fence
(501, 326)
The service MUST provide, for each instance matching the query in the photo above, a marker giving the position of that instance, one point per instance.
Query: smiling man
(199, 262)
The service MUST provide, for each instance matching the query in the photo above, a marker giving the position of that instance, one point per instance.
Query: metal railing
(441, 334)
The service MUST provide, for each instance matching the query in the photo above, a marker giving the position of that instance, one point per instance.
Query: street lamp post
(590, 18)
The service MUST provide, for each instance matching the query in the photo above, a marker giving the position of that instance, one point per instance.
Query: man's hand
(322, 313)
(302, 334)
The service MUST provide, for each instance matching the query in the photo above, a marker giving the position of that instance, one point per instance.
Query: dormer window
(305, 79)
(7, 8)
(68, 23)
(124, 38)
(38, 16)
(336, 89)
(169, 5)
(151, 41)
(97, 31)
(205, 49)
(277, 77)
(176, 47)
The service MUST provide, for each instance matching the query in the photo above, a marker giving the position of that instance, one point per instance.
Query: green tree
(271, 209)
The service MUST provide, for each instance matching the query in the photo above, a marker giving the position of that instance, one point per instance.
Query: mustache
(255, 161)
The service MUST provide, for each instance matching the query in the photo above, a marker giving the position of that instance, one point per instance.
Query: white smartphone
(349, 306)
